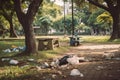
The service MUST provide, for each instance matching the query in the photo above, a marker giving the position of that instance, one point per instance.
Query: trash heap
(68, 59)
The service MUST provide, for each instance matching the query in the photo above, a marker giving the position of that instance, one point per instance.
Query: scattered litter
(68, 59)
(24, 66)
(14, 62)
(38, 67)
(73, 60)
(7, 50)
(63, 60)
(55, 63)
(31, 60)
(54, 76)
(100, 67)
(76, 72)
(45, 65)
(14, 49)
(108, 55)
(59, 72)
(5, 59)
(117, 58)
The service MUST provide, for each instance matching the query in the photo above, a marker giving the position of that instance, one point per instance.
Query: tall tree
(26, 20)
(7, 10)
(113, 7)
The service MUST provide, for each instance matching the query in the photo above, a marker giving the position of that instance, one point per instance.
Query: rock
(76, 72)
(15, 62)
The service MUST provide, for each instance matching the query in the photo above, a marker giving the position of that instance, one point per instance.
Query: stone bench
(47, 43)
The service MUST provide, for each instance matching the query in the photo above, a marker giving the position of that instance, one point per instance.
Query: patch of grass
(53, 53)
(8, 45)
(98, 39)
(16, 72)
(95, 39)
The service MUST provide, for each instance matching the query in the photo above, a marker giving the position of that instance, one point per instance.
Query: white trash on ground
(31, 60)
(16, 49)
(5, 59)
(45, 65)
(73, 60)
(117, 58)
(108, 55)
(14, 62)
(7, 50)
(76, 72)
(55, 63)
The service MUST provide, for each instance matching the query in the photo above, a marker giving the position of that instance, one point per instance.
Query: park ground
(97, 68)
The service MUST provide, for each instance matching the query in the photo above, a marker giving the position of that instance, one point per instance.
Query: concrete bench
(74, 41)
(47, 43)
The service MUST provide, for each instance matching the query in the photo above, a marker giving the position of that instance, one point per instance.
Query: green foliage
(92, 19)
(51, 10)
(4, 23)
(105, 18)
(59, 24)
(84, 14)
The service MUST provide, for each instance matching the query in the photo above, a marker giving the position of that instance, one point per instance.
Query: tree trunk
(30, 40)
(26, 19)
(12, 30)
(116, 25)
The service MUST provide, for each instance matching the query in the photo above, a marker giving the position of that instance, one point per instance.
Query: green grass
(99, 39)
(14, 72)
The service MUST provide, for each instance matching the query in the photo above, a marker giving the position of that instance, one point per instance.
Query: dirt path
(94, 49)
